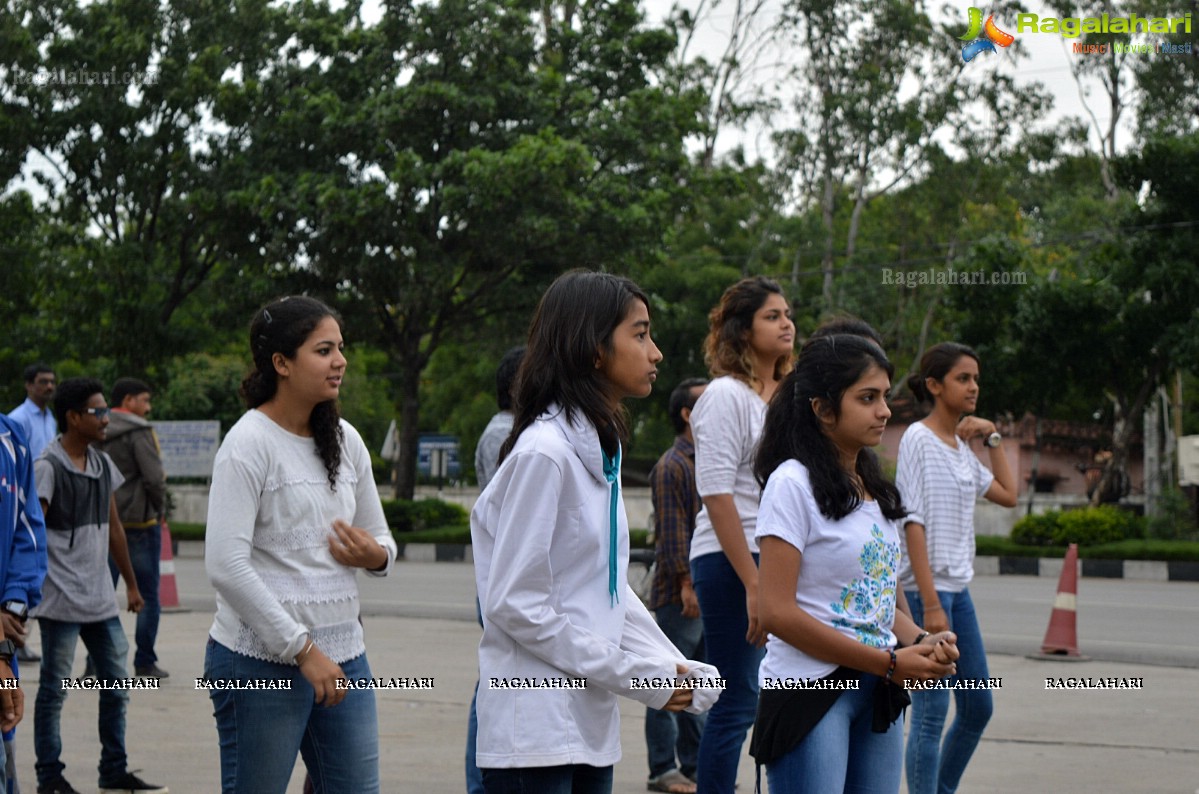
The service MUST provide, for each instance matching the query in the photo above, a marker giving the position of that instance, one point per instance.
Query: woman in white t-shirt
(829, 719)
(292, 516)
(940, 479)
(750, 344)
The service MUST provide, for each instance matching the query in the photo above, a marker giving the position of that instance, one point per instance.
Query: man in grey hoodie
(141, 504)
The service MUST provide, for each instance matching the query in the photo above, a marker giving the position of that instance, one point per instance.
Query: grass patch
(1176, 550)
(182, 531)
(1179, 550)
(459, 533)
(997, 546)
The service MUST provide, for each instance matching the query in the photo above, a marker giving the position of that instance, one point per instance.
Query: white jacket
(541, 535)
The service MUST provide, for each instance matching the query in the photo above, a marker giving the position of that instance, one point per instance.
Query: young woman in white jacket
(563, 634)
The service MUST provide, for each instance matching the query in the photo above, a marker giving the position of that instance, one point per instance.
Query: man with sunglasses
(75, 484)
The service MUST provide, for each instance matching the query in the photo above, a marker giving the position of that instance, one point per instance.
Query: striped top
(940, 485)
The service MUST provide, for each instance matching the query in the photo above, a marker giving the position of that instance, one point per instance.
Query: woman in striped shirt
(940, 478)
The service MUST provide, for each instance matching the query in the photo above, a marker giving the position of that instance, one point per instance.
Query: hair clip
(266, 316)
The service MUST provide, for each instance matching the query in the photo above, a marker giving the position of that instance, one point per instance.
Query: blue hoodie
(23, 530)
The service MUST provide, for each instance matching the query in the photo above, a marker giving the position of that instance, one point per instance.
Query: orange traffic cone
(168, 591)
(1061, 638)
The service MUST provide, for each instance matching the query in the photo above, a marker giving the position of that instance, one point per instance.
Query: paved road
(420, 623)
(1118, 619)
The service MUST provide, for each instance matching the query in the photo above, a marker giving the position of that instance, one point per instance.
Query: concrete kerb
(1140, 570)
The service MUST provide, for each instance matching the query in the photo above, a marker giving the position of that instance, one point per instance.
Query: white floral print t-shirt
(848, 575)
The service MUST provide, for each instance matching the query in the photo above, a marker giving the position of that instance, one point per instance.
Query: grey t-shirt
(487, 452)
(78, 586)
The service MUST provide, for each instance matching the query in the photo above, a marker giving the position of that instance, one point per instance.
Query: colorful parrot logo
(983, 38)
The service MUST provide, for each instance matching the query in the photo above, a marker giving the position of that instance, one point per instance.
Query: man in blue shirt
(35, 416)
(22, 569)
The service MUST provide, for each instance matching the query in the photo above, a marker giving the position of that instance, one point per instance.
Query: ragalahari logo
(983, 38)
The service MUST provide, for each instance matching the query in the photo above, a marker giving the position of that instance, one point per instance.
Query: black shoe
(130, 784)
(60, 786)
(153, 671)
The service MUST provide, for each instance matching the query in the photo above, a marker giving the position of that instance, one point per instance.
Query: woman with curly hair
(749, 351)
(293, 514)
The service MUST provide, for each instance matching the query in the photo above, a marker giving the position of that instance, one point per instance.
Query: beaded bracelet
(891, 668)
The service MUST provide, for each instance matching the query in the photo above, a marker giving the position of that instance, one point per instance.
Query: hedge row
(1089, 526)
(405, 515)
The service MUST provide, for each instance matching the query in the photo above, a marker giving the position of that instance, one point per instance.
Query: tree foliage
(457, 156)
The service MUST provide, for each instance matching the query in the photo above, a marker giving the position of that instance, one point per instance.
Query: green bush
(1036, 530)
(1093, 526)
(404, 515)
(1089, 526)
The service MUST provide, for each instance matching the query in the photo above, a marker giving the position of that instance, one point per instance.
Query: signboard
(437, 456)
(1188, 460)
(188, 447)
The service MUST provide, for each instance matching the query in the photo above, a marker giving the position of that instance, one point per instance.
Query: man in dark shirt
(672, 599)
(141, 504)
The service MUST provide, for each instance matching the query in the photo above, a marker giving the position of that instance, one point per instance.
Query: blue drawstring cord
(612, 475)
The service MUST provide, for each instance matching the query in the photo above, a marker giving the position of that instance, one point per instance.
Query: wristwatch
(18, 608)
(994, 440)
(7, 650)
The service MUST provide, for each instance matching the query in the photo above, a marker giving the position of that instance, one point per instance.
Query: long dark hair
(573, 322)
(826, 368)
(281, 327)
(936, 363)
(730, 324)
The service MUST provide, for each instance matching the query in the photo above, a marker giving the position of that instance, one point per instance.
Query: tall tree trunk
(1123, 422)
(409, 406)
(826, 262)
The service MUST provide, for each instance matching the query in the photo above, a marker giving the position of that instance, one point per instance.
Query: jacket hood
(122, 422)
(95, 462)
(581, 435)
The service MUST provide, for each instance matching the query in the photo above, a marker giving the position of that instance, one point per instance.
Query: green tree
(1118, 324)
(127, 114)
(456, 156)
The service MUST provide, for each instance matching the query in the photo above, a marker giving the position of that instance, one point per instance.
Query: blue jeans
(722, 608)
(261, 731)
(933, 765)
(474, 778)
(106, 644)
(668, 732)
(570, 779)
(842, 753)
(8, 763)
(145, 554)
